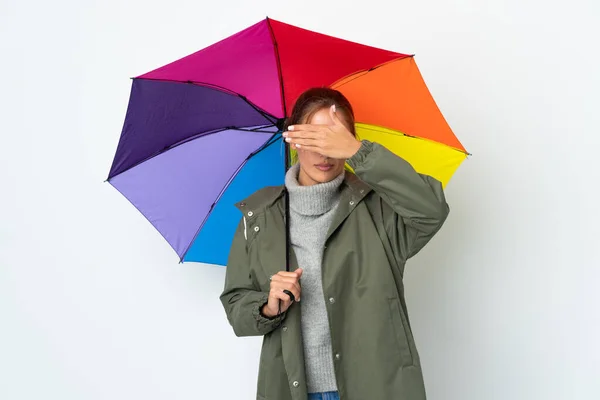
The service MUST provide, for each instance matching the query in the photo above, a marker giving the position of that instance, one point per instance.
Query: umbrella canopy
(203, 132)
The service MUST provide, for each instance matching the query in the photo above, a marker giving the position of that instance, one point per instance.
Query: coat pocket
(400, 331)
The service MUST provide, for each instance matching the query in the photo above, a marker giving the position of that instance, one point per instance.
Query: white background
(504, 301)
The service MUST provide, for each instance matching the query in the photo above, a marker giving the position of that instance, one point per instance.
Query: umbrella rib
(194, 137)
(224, 189)
(357, 74)
(286, 149)
(199, 83)
(388, 131)
(258, 128)
(167, 148)
(258, 109)
(279, 72)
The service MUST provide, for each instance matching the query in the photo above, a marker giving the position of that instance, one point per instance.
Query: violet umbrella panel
(204, 132)
(187, 188)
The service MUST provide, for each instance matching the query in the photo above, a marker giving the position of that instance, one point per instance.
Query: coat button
(296, 383)
(256, 229)
(331, 300)
(250, 213)
(352, 203)
(337, 356)
(285, 328)
(242, 204)
(362, 191)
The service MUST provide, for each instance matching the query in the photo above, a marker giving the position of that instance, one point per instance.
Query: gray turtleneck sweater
(311, 212)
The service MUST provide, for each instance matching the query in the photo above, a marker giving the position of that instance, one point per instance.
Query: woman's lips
(324, 167)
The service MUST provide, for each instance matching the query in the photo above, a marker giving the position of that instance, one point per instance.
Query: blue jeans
(324, 396)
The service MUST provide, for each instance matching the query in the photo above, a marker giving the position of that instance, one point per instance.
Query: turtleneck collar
(314, 199)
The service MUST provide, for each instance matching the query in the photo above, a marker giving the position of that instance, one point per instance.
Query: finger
(292, 286)
(304, 134)
(307, 127)
(295, 289)
(284, 298)
(313, 148)
(304, 142)
(286, 273)
(334, 116)
(279, 295)
(291, 294)
(284, 280)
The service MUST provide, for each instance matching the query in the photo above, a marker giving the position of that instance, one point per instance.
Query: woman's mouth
(324, 167)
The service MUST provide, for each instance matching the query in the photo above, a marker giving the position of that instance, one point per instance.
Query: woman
(341, 329)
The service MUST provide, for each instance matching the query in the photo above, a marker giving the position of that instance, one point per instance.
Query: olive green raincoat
(388, 212)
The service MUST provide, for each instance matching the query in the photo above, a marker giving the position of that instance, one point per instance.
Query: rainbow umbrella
(203, 132)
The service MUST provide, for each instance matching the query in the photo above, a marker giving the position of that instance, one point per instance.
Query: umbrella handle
(292, 297)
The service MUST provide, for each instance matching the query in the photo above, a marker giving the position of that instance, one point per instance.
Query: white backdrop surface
(504, 301)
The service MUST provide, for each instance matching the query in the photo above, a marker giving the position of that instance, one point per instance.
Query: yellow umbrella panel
(393, 106)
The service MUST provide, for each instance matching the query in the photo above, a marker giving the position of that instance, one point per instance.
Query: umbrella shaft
(287, 210)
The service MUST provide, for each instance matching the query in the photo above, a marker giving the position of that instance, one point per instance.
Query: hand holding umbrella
(282, 284)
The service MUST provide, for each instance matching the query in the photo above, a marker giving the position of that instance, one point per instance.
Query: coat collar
(353, 190)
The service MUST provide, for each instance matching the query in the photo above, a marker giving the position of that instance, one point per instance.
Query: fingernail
(291, 128)
(297, 146)
(288, 140)
(285, 134)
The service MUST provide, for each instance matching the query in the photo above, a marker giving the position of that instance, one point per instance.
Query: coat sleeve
(415, 201)
(241, 298)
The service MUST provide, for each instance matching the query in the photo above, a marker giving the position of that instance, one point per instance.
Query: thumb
(334, 116)
(299, 272)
